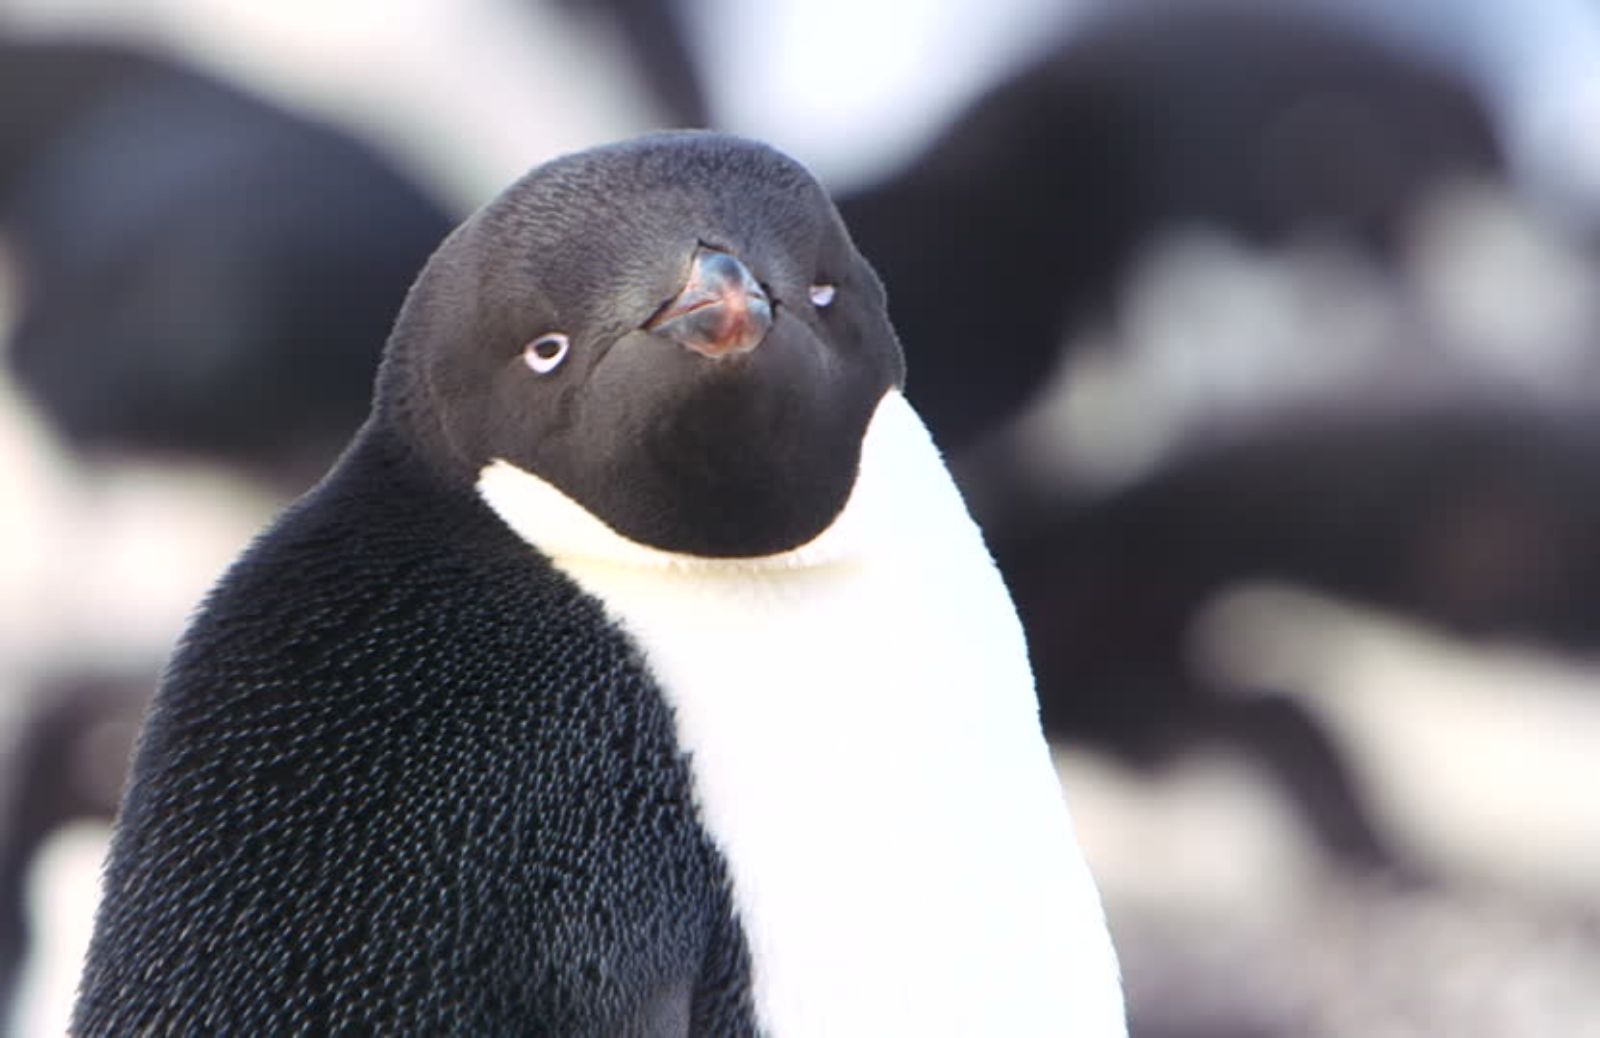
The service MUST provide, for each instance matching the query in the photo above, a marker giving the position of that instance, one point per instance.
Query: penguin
(573, 700)
(1265, 122)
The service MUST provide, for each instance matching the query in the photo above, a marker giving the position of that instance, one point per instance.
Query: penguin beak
(721, 312)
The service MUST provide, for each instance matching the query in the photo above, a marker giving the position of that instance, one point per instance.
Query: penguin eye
(822, 295)
(546, 353)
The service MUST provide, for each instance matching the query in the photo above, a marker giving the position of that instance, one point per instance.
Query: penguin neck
(569, 534)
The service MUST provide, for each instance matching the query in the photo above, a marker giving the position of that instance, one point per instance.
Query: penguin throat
(563, 530)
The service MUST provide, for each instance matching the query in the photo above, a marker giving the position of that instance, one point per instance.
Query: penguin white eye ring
(822, 294)
(546, 353)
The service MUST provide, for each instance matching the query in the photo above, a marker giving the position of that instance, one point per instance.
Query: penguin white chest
(863, 734)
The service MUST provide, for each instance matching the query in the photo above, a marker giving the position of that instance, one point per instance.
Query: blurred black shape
(1020, 222)
(655, 34)
(202, 273)
(1479, 519)
(1020, 226)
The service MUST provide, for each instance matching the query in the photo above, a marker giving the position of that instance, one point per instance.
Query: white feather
(866, 750)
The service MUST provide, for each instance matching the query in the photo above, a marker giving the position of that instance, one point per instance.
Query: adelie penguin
(573, 700)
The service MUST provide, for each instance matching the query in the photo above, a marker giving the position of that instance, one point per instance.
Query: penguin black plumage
(573, 700)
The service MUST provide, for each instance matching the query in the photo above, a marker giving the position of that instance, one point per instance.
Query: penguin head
(675, 332)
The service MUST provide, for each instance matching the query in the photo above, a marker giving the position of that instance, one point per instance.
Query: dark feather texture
(395, 783)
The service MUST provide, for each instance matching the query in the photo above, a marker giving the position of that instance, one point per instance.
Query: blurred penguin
(1024, 218)
(200, 271)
